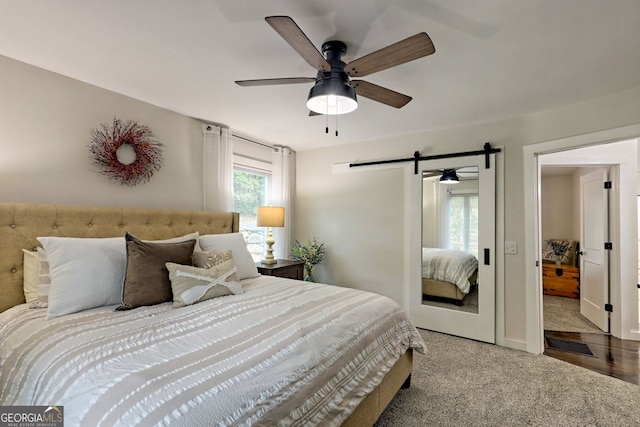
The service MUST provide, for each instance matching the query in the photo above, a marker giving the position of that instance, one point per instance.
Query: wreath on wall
(126, 152)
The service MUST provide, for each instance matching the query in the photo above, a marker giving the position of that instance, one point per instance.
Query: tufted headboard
(21, 224)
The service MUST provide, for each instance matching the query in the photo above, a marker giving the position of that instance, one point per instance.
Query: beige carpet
(563, 314)
(461, 382)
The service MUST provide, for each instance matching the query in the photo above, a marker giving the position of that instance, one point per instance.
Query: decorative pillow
(30, 273)
(569, 248)
(191, 285)
(235, 242)
(208, 259)
(36, 278)
(146, 281)
(85, 273)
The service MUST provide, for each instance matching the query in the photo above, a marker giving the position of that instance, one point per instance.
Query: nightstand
(283, 268)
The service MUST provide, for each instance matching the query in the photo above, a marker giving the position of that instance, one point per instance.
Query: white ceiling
(494, 58)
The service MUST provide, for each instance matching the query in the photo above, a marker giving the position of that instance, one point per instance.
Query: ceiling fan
(334, 92)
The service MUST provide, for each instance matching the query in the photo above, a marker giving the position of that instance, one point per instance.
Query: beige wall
(45, 121)
(558, 213)
(361, 215)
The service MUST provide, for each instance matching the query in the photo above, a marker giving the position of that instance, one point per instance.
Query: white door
(594, 258)
(449, 319)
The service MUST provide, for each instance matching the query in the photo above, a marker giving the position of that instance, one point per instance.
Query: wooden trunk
(563, 281)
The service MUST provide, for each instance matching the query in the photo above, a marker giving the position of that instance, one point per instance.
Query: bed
(448, 273)
(271, 351)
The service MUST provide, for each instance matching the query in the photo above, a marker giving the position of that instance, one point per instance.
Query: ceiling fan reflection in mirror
(334, 92)
(452, 176)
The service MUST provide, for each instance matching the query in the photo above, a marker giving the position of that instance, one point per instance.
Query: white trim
(250, 164)
(533, 280)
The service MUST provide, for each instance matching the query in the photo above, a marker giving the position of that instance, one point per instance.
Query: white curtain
(442, 194)
(283, 162)
(217, 166)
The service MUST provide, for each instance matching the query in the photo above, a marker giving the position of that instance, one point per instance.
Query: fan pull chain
(326, 128)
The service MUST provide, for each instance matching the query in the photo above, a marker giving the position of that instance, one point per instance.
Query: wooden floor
(611, 356)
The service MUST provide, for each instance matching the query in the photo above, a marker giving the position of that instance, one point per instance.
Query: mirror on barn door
(453, 290)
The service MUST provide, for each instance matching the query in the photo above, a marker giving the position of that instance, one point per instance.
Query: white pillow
(85, 273)
(234, 242)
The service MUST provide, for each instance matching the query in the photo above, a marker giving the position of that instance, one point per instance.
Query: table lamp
(270, 216)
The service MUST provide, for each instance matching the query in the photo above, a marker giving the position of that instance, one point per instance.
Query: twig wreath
(126, 152)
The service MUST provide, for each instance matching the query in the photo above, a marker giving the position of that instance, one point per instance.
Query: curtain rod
(252, 141)
(417, 157)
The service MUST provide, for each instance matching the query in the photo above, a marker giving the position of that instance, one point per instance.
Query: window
(251, 181)
(463, 222)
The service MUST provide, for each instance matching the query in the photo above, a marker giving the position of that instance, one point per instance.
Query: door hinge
(608, 246)
(608, 307)
(607, 185)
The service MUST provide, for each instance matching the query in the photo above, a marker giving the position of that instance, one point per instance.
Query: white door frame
(624, 319)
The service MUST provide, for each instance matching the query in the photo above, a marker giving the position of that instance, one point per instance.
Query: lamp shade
(270, 216)
(449, 176)
(332, 96)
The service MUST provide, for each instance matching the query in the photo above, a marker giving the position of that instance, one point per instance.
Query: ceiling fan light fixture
(449, 176)
(332, 96)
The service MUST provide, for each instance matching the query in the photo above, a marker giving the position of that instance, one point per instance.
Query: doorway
(568, 222)
(612, 147)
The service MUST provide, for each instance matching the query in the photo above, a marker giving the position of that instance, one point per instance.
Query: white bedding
(284, 352)
(449, 265)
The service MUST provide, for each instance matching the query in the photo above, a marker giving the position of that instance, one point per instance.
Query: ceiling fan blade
(431, 174)
(398, 53)
(380, 94)
(292, 34)
(268, 82)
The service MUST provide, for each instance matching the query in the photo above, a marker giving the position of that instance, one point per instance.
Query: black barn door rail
(418, 158)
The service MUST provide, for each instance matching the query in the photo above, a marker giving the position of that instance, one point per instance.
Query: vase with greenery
(560, 248)
(311, 253)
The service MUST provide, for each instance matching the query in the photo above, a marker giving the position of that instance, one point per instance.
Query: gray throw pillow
(147, 280)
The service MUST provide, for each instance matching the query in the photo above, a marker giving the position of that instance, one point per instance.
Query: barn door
(461, 217)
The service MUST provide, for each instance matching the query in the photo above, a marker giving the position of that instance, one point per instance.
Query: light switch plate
(510, 248)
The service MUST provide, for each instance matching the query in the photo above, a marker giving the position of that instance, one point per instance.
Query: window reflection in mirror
(450, 238)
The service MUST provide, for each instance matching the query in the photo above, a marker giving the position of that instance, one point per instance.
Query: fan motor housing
(333, 51)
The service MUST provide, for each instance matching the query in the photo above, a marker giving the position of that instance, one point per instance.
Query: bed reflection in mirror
(450, 238)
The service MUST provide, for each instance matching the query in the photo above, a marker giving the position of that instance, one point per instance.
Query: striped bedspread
(449, 265)
(284, 352)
